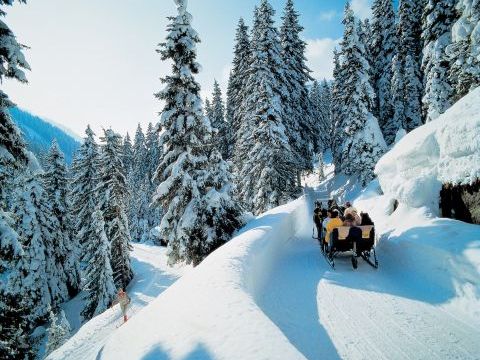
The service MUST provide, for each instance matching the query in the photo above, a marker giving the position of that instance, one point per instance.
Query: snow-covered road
(360, 314)
(394, 312)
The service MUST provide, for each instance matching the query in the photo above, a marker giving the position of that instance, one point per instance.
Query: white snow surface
(446, 150)
(269, 293)
(212, 312)
(152, 277)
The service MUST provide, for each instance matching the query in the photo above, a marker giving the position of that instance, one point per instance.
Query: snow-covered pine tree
(236, 85)
(127, 155)
(208, 108)
(12, 65)
(363, 142)
(155, 154)
(99, 285)
(267, 175)
(14, 342)
(66, 250)
(384, 46)
(316, 104)
(186, 173)
(338, 99)
(410, 50)
(298, 119)
(218, 122)
(14, 312)
(397, 121)
(14, 335)
(83, 188)
(326, 109)
(58, 332)
(222, 214)
(113, 195)
(320, 99)
(438, 18)
(464, 51)
(35, 226)
(139, 184)
(154, 151)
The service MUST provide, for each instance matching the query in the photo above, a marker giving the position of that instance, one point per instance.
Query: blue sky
(94, 62)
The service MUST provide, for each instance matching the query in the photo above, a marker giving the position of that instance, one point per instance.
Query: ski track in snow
(152, 277)
(361, 314)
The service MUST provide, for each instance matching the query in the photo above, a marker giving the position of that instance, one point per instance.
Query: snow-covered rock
(446, 150)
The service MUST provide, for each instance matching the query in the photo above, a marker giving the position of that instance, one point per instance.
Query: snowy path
(152, 277)
(387, 313)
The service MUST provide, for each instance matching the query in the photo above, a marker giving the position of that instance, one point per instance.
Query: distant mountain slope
(39, 133)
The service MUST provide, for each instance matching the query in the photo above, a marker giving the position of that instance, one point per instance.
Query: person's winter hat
(348, 204)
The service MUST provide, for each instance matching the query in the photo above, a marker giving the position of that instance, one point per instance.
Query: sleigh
(360, 241)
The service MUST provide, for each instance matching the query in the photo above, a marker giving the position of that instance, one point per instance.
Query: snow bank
(446, 150)
(212, 311)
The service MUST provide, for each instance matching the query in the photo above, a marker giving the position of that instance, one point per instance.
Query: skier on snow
(124, 300)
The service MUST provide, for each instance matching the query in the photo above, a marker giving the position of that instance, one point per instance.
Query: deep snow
(269, 294)
(152, 277)
(446, 150)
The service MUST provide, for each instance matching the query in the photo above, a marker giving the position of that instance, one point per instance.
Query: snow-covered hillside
(269, 294)
(152, 277)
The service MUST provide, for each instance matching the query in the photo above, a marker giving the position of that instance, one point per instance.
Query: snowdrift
(446, 150)
(212, 312)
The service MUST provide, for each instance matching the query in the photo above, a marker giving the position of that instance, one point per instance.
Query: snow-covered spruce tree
(208, 108)
(113, 194)
(83, 186)
(221, 215)
(384, 46)
(14, 312)
(316, 104)
(35, 226)
(410, 50)
(217, 121)
(139, 182)
(14, 335)
(363, 143)
(298, 119)
(128, 155)
(58, 332)
(320, 100)
(397, 121)
(438, 18)
(12, 147)
(189, 190)
(268, 173)
(99, 285)
(236, 85)
(326, 109)
(13, 158)
(155, 153)
(67, 250)
(464, 51)
(338, 98)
